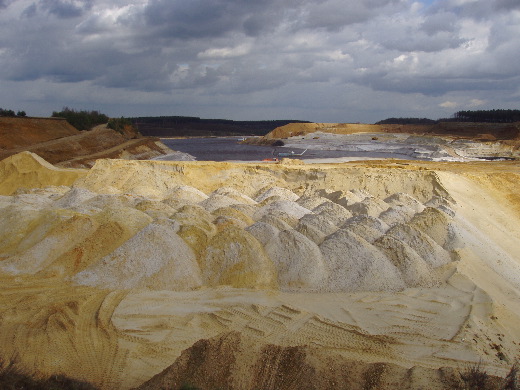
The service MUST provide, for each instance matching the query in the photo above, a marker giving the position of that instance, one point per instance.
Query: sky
(316, 60)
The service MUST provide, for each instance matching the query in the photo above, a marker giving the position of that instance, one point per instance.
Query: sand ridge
(137, 261)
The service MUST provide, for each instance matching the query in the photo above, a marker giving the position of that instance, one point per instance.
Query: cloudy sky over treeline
(318, 60)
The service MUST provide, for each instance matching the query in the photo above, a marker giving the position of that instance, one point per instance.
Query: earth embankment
(59, 143)
(484, 131)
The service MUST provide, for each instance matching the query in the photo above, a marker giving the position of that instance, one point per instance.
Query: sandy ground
(109, 278)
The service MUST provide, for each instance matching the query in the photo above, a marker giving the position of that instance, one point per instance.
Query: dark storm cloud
(30, 11)
(438, 86)
(507, 5)
(479, 10)
(66, 8)
(440, 22)
(334, 15)
(242, 50)
(202, 18)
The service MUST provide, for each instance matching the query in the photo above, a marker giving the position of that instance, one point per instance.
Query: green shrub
(119, 124)
(81, 120)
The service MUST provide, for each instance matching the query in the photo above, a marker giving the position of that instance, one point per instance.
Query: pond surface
(222, 149)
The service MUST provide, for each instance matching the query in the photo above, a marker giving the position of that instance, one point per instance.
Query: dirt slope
(59, 143)
(20, 132)
(234, 361)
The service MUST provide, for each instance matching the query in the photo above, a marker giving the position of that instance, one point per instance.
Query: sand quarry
(376, 274)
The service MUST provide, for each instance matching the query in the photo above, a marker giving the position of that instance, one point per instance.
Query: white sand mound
(335, 213)
(370, 228)
(187, 193)
(234, 194)
(281, 208)
(343, 198)
(155, 209)
(421, 243)
(283, 193)
(414, 270)
(216, 201)
(74, 198)
(399, 199)
(263, 232)
(234, 257)
(99, 202)
(116, 226)
(155, 257)
(312, 201)
(50, 192)
(437, 225)
(35, 201)
(278, 223)
(231, 212)
(196, 227)
(23, 227)
(5, 201)
(316, 227)
(397, 214)
(195, 211)
(246, 209)
(63, 237)
(356, 265)
(298, 261)
(369, 206)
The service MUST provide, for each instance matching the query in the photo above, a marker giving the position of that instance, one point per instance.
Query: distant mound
(477, 131)
(24, 132)
(55, 140)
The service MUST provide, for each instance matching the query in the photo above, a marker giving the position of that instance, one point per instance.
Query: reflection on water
(220, 149)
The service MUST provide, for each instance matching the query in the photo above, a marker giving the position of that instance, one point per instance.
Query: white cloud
(476, 102)
(225, 52)
(448, 104)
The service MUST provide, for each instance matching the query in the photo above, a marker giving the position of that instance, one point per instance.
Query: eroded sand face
(110, 279)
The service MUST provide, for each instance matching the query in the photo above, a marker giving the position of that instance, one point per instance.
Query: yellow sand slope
(110, 278)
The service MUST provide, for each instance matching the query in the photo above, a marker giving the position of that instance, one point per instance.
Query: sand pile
(29, 170)
(184, 238)
(233, 361)
(110, 279)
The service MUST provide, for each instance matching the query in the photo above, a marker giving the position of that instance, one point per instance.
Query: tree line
(7, 112)
(406, 121)
(81, 120)
(493, 116)
(488, 116)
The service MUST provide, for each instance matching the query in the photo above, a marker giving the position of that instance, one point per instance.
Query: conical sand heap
(188, 239)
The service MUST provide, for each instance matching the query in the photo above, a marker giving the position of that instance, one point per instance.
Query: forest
(180, 126)
(477, 116)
